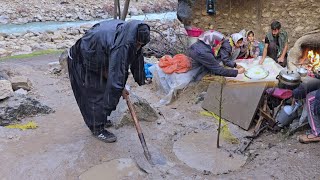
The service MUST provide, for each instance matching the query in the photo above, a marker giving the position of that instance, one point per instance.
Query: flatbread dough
(256, 72)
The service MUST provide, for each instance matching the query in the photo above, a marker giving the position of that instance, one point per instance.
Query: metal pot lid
(290, 75)
(302, 70)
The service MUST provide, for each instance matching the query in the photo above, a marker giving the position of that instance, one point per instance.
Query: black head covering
(143, 34)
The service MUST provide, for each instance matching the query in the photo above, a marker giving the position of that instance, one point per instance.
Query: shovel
(138, 128)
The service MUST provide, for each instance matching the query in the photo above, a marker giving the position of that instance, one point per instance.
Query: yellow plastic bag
(29, 125)
(225, 132)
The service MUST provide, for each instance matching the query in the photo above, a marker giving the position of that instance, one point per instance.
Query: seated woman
(250, 47)
(202, 54)
(313, 106)
(230, 50)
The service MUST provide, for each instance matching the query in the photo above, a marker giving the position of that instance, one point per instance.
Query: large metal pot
(288, 79)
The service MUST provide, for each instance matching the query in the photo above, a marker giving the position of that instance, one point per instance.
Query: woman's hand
(241, 70)
(261, 61)
(125, 93)
(238, 66)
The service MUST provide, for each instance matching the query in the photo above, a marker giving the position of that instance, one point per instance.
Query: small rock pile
(14, 102)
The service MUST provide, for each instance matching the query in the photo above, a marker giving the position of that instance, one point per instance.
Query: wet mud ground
(62, 147)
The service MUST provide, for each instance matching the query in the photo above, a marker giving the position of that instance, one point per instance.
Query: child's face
(251, 38)
(239, 43)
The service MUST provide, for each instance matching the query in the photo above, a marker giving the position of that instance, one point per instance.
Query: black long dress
(108, 47)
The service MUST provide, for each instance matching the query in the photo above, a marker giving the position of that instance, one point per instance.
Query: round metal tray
(266, 75)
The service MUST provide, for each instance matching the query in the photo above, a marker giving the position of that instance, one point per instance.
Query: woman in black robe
(98, 67)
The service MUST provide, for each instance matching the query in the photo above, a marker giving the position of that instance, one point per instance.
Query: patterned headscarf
(236, 37)
(211, 38)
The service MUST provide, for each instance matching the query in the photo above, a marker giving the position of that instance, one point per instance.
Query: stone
(35, 46)
(4, 19)
(56, 36)
(299, 28)
(38, 17)
(55, 67)
(21, 82)
(4, 52)
(69, 15)
(121, 116)
(266, 15)
(62, 46)
(196, 21)
(19, 106)
(134, 11)
(5, 89)
(21, 91)
(22, 20)
(48, 46)
(3, 75)
(44, 37)
(63, 61)
(26, 48)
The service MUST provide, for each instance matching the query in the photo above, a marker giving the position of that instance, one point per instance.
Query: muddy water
(199, 151)
(114, 170)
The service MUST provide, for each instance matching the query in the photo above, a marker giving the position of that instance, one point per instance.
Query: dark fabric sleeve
(117, 76)
(208, 60)
(225, 55)
(137, 69)
(266, 40)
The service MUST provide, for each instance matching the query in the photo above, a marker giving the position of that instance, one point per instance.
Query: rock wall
(296, 16)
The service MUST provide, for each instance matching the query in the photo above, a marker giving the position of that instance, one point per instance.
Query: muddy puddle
(199, 151)
(114, 170)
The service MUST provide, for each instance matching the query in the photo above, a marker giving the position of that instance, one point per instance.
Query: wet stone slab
(114, 170)
(199, 151)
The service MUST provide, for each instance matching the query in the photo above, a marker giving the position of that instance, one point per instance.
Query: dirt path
(63, 148)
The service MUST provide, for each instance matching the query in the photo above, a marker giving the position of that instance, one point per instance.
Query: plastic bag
(169, 84)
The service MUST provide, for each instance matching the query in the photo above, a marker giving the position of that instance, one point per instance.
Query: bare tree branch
(125, 10)
(115, 10)
(222, 84)
(166, 40)
(119, 10)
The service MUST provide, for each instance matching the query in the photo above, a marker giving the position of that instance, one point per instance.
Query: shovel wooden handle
(138, 128)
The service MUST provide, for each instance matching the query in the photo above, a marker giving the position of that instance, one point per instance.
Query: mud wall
(296, 16)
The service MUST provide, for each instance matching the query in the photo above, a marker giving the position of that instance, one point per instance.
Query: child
(250, 47)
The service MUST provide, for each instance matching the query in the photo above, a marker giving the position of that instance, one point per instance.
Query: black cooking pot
(288, 79)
